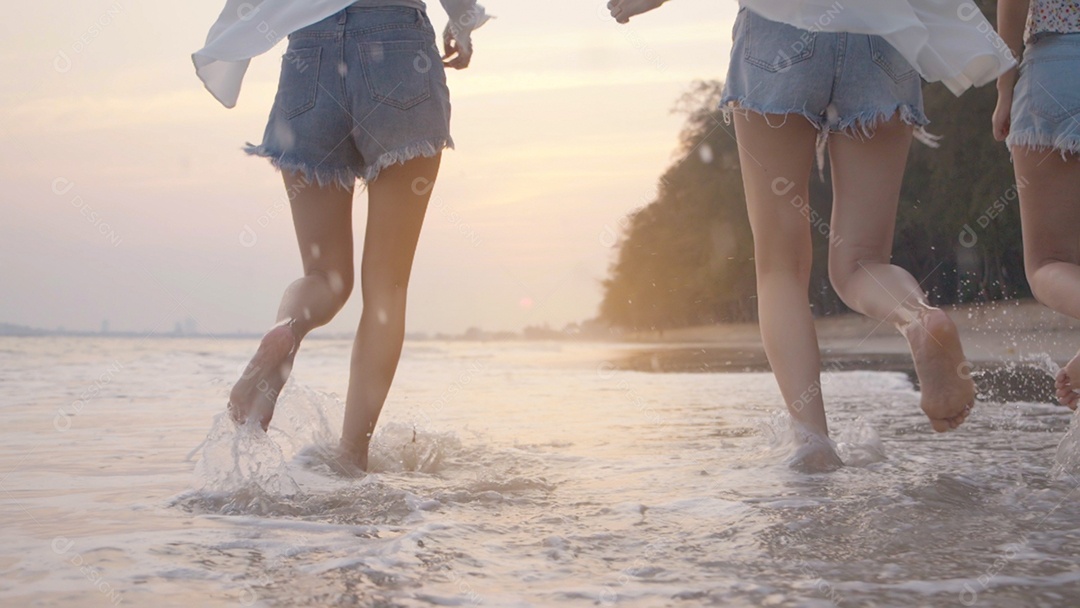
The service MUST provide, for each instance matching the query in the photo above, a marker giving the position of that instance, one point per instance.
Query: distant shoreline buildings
(189, 328)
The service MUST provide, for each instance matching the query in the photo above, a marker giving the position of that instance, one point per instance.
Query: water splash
(245, 461)
(242, 459)
(1029, 378)
(246, 468)
(858, 444)
(396, 448)
(404, 448)
(306, 417)
(1044, 362)
(1067, 457)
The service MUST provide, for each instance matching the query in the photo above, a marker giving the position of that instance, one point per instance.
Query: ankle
(353, 453)
(913, 316)
(294, 332)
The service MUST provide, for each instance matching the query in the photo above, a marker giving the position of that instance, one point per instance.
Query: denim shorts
(360, 91)
(839, 82)
(1046, 101)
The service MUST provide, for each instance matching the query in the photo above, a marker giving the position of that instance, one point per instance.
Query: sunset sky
(126, 192)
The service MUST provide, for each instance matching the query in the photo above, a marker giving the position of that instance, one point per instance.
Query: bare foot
(816, 456)
(256, 392)
(623, 10)
(345, 465)
(814, 452)
(948, 393)
(1068, 383)
(351, 457)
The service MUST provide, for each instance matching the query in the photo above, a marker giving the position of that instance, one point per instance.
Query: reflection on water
(517, 475)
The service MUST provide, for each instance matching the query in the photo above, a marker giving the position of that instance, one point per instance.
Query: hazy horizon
(127, 197)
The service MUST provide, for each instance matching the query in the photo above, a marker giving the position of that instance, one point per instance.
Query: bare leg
(867, 175)
(1050, 213)
(776, 164)
(322, 217)
(623, 10)
(398, 200)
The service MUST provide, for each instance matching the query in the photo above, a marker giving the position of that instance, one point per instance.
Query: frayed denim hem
(859, 126)
(730, 105)
(862, 126)
(345, 177)
(425, 149)
(1065, 144)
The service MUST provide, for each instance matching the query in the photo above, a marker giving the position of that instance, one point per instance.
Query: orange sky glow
(126, 196)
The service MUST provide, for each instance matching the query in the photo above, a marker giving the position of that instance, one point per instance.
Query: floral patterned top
(1052, 17)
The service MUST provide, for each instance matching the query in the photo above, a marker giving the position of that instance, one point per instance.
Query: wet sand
(1013, 346)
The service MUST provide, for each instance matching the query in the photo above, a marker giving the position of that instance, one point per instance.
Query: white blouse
(946, 40)
(248, 28)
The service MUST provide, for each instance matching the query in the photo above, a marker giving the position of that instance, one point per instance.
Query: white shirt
(946, 40)
(249, 28)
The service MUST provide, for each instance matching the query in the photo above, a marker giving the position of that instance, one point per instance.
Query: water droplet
(705, 152)
(337, 283)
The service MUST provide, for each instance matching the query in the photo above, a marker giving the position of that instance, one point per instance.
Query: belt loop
(343, 16)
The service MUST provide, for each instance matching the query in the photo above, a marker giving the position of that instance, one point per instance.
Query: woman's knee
(846, 261)
(339, 280)
(1039, 271)
(840, 272)
(389, 297)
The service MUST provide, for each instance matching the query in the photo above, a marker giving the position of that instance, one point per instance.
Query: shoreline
(1013, 346)
(996, 332)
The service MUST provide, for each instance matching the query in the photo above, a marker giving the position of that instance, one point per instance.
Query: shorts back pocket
(774, 46)
(299, 80)
(1054, 95)
(398, 72)
(890, 60)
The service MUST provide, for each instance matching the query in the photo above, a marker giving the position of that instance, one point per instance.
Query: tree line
(687, 257)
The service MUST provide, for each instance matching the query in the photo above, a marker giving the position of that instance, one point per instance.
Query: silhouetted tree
(687, 258)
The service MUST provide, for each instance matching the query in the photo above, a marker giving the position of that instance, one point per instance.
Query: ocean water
(513, 474)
